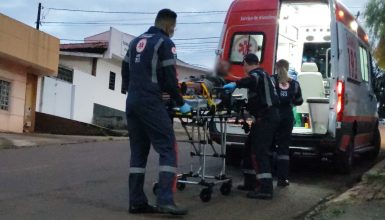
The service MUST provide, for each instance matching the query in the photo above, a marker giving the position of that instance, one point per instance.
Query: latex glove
(230, 86)
(184, 109)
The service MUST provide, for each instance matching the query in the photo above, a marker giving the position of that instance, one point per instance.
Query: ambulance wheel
(373, 153)
(181, 186)
(226, 188)
(155, 188)
(343, 160)
(205, 194)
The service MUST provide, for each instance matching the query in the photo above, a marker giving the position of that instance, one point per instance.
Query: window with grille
(111, 84)
(65, 74)
(5, 89)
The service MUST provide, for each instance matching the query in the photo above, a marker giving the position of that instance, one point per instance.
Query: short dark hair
(164, 16)
(251, 59)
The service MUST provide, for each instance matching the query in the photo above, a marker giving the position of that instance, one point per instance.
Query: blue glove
(230, 86)
(184, 109)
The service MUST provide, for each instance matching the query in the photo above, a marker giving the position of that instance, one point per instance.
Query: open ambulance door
(251, 26)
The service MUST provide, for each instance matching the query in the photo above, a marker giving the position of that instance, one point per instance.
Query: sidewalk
(15, 141)
(366, 200)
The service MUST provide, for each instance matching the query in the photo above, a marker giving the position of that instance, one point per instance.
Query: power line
(125, 24)
(176, 39)
(131, 12)
(196, 38)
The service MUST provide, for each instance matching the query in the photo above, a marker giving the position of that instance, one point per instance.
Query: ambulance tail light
(340, 100)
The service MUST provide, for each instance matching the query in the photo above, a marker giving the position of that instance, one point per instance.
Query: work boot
(245, 188)
(172, 209)
(283, 183)
(259, 195)
(249, 183)
(142, 209)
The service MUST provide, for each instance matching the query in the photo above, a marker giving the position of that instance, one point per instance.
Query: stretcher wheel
(155, 188)
(181, 186)
(226, 188)
(205, 195)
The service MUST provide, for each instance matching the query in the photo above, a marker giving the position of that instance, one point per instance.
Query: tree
(375, 21)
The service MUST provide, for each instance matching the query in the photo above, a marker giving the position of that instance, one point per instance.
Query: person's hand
(184, 109)
(230, 86)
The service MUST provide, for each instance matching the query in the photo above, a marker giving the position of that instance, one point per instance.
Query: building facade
(25, 54)
(88, 85)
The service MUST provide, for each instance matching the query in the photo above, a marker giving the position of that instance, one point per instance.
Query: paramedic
(148, 70)
(289, 93)
(262, 105)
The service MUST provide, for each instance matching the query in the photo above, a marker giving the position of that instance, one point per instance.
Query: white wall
(83, 64)
(94, 89)
(57, 98)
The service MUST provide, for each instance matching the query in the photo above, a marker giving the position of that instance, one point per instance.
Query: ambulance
(329, 53)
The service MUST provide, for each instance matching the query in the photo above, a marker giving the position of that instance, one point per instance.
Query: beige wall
(13, 119)
(24, 50)
(31, 48)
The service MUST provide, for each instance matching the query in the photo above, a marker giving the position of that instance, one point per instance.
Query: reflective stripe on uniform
(249, 172)
(169, 62)
(264, 176)
(168, 169)
(283, 157)
(154, 63)
(137, 170)
(267, 91)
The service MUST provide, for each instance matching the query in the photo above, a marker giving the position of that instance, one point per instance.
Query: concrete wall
(12, 120)
(86, 90)
(94, 89)
(27, 46)
(83, 64)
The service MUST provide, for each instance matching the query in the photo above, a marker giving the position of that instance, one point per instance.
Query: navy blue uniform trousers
(149, 124)
(256, 159)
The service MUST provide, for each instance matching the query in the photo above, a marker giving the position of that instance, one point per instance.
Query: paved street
(89, 181)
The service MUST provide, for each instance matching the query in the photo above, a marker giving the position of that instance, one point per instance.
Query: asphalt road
(89, 181)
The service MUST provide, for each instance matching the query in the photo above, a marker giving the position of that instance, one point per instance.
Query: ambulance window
(245, 43)
(364, 64)
(317, 53)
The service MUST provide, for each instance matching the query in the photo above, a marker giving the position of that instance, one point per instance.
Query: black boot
(249, 183)
(142, 209)
(283, 183)
(172, 209)
(260, 195)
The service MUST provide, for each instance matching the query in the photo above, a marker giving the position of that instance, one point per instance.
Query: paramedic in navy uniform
(289, 93)
(262, 105)
(148, 70)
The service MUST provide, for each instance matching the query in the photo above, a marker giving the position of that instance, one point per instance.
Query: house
(88, 85)
(25, 54)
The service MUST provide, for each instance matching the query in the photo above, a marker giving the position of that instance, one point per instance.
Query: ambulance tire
(343, 160)
(373, 153)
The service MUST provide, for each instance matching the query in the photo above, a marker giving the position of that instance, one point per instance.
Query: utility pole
(38, 16)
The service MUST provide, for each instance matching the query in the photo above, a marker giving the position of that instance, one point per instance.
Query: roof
(98, 44)
(93, 47)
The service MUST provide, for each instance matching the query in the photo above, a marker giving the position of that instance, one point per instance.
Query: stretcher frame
(196, 126)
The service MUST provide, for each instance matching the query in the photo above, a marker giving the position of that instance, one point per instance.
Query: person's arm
(126, 71)
(247, 82)
(167, 58)
(297, 100)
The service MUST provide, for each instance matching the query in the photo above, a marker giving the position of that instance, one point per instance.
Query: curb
(375, 173)
(6, 144)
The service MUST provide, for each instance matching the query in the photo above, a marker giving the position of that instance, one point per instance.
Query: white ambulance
(330, 52)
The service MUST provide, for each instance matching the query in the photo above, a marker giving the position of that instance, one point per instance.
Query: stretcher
(207, 108)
